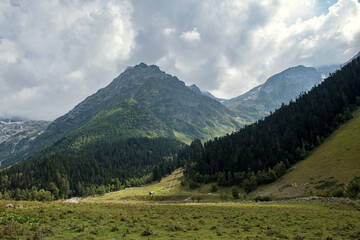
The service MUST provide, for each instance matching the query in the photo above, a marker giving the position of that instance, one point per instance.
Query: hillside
(332, 165)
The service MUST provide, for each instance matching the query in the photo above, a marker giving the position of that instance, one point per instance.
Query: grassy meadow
(171, 214)
(104, 220)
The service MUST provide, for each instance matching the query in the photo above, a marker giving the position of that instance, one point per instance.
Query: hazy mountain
(16, 135)
(197, 90)
(326, 70)
(278, 89)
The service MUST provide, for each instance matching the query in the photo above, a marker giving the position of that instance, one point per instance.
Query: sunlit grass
(335, 163)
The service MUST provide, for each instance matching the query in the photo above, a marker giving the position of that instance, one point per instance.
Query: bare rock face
(16, 136)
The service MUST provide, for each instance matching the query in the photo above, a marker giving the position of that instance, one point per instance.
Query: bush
(183, 183)
(197, 198)
(353, 187)
(249, 184)
(262, 199)
(193, 184)
(338, 193)
(223, 196)
(235, 193)
(213, 188)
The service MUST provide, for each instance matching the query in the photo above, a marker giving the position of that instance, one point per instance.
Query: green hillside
(332, 165)
(124, 120)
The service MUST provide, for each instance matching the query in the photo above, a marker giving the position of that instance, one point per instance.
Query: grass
(182, 137)
(162, 193)
(332, 165)
(104, 220)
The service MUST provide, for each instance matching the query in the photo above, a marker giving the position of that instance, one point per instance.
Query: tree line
(93, 170)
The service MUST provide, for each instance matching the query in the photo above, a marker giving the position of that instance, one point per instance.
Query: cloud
(191, 36)
(168, 31)
(53, 54)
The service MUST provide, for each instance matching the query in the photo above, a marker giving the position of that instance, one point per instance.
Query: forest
(262, 152)
(127, 163)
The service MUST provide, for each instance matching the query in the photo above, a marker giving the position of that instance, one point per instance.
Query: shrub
(193, 184)
(262, 199)
(223, 196)
(338, 193)
(235, 193)
(197, 198)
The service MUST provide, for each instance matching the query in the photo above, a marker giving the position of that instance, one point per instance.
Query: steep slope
(335, 163)
(278, 89)
(17, 135)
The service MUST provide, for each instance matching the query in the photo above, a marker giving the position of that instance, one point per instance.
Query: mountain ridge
(276, 90)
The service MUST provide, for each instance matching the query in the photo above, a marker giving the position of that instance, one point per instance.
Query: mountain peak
(144, 67)
(195, 89)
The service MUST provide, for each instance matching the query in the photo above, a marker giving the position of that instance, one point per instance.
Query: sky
(53, 54)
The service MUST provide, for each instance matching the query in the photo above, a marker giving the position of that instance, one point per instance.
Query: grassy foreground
(85, 220)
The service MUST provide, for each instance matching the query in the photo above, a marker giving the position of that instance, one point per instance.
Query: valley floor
(297, 219)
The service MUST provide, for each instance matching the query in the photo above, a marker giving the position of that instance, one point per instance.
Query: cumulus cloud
(191, 36)
(55, 53)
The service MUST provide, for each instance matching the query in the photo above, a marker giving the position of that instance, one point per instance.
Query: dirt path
(188, 199)
(173, 177)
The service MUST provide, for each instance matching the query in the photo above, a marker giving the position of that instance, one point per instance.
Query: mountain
(260, 153)
(142, 102)
(124, 135)
(169, 106)
(16, 135)
(354, 57)
(278, 89)
(326, 70)
(197, 90)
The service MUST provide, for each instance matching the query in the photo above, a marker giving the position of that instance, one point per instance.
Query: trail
(173, 177)
(189, 198)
